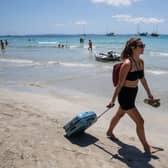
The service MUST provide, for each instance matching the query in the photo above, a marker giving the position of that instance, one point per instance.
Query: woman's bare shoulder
(126, 64)
(141, 60)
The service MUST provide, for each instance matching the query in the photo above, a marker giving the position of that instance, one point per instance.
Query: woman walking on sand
(132, 70)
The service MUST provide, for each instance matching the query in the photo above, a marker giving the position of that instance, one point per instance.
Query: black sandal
(152, 102)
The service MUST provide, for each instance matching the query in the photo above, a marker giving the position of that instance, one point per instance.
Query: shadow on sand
(131, 156)
(83, 139)
(128, 154)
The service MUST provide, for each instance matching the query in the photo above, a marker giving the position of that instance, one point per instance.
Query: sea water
(35, 61)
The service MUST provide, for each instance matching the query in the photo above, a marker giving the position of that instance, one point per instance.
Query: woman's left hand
(150, 96)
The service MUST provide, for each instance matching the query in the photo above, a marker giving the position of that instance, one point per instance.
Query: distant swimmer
(81, 40)
(90, 45)
(6, 42)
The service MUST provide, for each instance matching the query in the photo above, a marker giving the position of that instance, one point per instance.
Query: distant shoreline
(37, 35)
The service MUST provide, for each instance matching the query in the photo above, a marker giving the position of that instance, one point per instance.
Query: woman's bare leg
(137, 118)
(119, 114)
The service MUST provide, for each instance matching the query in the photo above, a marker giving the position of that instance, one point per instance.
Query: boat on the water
(107, 57)
(110, 34)
(155, 34)
(143, 34)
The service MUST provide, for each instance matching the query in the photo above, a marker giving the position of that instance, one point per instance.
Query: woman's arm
(146, 87)
(145, 84)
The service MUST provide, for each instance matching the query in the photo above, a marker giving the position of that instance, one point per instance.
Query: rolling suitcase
(81, 122)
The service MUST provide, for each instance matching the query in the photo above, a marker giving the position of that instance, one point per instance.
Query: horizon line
(68, 34)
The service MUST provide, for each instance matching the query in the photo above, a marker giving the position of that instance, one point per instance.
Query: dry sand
(31, 135)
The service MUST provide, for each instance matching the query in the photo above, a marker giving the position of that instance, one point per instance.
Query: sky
(19, 17)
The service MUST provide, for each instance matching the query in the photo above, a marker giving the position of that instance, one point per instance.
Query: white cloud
(81, 23)
(128, 18)
(116, 2)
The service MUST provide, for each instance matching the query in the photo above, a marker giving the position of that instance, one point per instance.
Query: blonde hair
(130, 44)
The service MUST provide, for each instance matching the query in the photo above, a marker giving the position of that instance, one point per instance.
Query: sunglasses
(140, 45)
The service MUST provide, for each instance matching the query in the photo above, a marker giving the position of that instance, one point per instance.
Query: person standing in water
(81, 40)
(90, 45)
(2, 45)
(6, 42)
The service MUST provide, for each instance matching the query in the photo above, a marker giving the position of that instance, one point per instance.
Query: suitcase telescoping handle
(103, 112)
(109, 106)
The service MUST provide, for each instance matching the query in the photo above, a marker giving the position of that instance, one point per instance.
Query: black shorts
(126, 97)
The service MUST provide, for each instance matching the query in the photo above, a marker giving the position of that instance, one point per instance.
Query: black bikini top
(134, 75)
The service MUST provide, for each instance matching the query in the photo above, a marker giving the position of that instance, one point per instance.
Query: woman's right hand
(110, 105)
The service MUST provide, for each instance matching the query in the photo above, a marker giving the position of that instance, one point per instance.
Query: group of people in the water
(4, 43)
(81, 40)
(61, 46)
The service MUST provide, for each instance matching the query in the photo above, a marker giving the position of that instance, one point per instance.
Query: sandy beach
(32, 135)
(50, 73)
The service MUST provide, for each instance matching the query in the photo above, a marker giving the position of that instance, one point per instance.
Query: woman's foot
(111, 136)
(150, 150)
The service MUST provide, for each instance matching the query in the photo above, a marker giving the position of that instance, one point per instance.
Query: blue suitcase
(81, 122)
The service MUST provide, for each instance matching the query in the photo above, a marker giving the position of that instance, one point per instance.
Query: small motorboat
(106, 57)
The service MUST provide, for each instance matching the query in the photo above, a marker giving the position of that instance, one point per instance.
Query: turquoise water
(36, 61)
